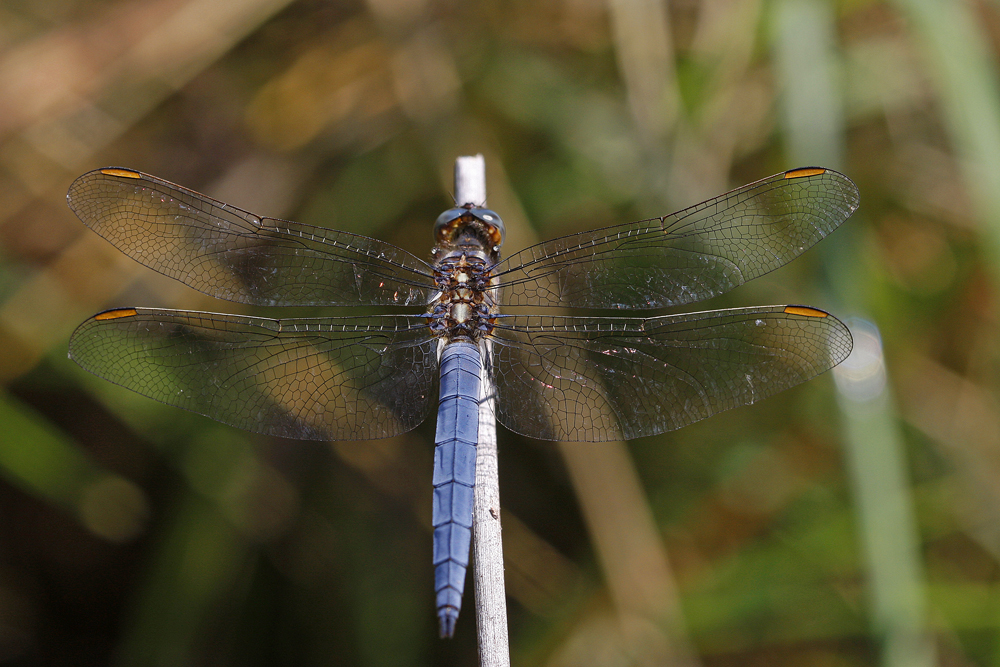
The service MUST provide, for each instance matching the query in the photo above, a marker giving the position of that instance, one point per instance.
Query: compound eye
(494, 224)
(446, 222)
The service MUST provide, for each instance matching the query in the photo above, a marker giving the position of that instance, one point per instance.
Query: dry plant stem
(470, 180)
(491, 600)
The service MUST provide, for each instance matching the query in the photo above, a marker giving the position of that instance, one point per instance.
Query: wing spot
(804, 172)
(116, 313)
(123, 173)
(805, 310)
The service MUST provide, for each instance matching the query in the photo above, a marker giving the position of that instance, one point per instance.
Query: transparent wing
(685, 257)
(233, 254)
(338, 378)
(609, 378)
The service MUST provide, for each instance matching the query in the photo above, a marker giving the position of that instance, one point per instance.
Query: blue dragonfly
(555, 377)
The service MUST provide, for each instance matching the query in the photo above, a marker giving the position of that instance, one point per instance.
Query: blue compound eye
(447, 222)
(447, 219)
(452, 220)
(494, 224)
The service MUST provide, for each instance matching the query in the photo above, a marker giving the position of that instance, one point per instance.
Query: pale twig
(491, 601)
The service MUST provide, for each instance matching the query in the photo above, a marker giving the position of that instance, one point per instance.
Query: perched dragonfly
(555, 377)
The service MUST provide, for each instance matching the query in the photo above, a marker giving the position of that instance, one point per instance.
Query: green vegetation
(841, 523)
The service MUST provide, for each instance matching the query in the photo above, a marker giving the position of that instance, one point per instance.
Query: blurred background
(854, 520)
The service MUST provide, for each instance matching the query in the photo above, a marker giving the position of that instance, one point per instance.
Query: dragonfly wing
(691, 255)
(236, 255)
(595, 379)
(338, 378)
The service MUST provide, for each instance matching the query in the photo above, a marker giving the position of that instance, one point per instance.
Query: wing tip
(841, 340)
(854, 195)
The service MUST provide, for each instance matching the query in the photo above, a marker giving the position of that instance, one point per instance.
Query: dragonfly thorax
(465, 307)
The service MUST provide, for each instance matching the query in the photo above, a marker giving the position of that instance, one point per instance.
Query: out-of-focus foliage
(853, 523)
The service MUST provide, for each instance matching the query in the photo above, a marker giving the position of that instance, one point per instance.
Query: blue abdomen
(454, 476)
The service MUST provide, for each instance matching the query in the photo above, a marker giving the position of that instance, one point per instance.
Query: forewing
(595, 379)
(236, 255)
(691, 255)
(339, 378)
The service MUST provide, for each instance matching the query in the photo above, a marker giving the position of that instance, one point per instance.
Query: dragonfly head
(464, 220)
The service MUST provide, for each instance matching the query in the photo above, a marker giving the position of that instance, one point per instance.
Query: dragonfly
(552, 376)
